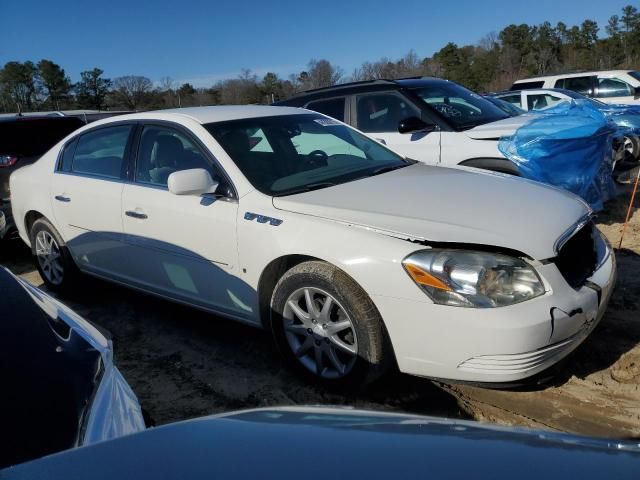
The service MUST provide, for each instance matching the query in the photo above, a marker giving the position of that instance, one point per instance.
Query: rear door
(378, 115)
(86, 193)
(183, 246)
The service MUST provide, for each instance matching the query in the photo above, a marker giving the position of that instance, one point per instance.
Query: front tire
(51, 256)
(327, 327)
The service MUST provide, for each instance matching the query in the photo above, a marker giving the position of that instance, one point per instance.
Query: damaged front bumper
(498, 345)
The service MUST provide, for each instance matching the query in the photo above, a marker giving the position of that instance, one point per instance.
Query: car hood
(218, 447)
(501, 128)
(457, 205)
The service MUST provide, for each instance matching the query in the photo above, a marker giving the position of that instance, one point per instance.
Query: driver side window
(382, 112)
(163, 151)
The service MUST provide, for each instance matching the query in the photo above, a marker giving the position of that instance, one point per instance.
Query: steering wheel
(318, 158)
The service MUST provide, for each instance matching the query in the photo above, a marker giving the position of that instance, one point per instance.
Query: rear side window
(333, 107)
(583, 85)
(527, 85)
(101, 152)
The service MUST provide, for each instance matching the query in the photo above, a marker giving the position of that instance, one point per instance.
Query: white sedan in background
(354, 257)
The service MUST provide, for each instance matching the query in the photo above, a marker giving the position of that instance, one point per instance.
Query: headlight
(464, 278)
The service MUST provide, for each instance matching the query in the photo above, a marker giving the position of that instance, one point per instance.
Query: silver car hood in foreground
(438, 204)
(501, 128)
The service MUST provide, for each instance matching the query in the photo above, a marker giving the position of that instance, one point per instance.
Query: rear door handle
(62, 198)
(134, 214)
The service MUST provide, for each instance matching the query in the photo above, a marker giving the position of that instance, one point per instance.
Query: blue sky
(204, 41)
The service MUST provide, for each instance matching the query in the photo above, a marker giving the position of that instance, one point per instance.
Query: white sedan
(354, 257)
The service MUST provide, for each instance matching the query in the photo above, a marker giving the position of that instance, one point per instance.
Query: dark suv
(428, 119)
(24, 139)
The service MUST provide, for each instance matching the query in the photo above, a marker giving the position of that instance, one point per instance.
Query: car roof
(213, 114)
(366, 85)
(572, 74)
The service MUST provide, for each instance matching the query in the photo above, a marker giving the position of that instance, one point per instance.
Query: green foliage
(54, 84)
(92, 89)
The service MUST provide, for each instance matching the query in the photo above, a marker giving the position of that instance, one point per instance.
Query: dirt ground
(183, 363)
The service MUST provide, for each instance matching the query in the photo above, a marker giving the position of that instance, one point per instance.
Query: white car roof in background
(215, 114)
(575, 74)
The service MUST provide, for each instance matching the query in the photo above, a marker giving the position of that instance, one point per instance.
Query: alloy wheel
(49, 257)
(320, 333)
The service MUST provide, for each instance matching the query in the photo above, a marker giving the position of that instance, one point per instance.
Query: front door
(185, 245)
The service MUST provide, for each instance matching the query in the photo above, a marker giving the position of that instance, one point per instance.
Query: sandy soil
(182, 363)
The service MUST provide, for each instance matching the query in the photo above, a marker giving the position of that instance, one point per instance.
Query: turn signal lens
(423, 278)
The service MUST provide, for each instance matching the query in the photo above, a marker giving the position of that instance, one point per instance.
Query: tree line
(517, 51)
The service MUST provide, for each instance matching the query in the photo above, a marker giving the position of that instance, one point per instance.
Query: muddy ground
(183, 363)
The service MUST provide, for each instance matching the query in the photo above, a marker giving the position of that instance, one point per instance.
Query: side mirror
(414, 124)
(636, 92)
(195, 181)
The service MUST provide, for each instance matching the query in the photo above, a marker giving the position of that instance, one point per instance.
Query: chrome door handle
(134, 214)
(62, 198)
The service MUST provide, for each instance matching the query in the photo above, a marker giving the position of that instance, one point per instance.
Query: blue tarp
(569, 146)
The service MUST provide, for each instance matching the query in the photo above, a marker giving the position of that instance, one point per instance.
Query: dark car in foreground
(60, 389)
(323, 443)
(23, 140)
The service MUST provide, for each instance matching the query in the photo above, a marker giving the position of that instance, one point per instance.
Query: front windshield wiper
(306, 188)
(386, 169)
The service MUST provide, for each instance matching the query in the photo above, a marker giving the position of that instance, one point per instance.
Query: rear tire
(52, 257)
(342, 343)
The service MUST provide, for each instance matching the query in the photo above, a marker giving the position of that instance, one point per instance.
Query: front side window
(333, 107)
(382, 112)
(309, 152)
(583, 85)
(540, 101)
(613, 87)
(101, 152)
(163, 151)
(462, 108)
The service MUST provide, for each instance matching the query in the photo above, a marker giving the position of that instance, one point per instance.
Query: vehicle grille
(578, 257)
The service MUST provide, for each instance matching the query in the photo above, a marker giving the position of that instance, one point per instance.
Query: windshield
(290, 154)
(462, 108)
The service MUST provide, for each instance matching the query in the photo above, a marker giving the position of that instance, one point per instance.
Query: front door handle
(62, 198)
(134, 214)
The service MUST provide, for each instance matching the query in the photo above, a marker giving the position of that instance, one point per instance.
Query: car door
(86, 193)
(378, 115)
(184, 246)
